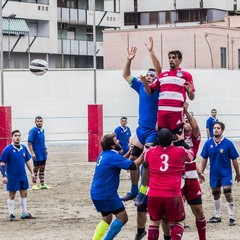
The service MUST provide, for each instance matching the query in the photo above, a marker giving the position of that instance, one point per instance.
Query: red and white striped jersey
(191, 167)
(173, 93)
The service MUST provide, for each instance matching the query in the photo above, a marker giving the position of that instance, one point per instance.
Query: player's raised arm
(127, 69)
(154, 59)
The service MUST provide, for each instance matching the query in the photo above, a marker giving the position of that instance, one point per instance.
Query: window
(90, 34)
(192, 15)
(223, 57)
(168, 17)
(131, 18)
(71, 3)
(153, 17)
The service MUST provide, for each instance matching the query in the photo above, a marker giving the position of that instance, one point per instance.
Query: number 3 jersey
(165, 170)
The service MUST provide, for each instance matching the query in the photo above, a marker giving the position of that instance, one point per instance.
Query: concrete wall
(62, 97)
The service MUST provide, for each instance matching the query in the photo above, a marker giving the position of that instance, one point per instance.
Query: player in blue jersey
(221, 153)
(147, 111)
(105, 185)
(123, 134)
(38, 150)
(146, 132)
(13, 160)
(210, 122)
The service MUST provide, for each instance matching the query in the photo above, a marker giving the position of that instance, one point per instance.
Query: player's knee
(136, 151)
(216, 194)
(228, 194)
(142, 209)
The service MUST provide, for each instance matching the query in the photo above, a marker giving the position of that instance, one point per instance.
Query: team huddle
(164, 147)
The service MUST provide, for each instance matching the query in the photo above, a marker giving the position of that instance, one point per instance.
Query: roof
(14, 26)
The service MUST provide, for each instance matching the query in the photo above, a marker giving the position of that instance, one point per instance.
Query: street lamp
(11, 16)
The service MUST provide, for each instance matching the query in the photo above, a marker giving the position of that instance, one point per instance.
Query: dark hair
(38, 117)
(107, 141)
(151, 69)
(213, 110)
(15, 131)
(123, 118)
(221, 124)
(164, 137)
(176, 53)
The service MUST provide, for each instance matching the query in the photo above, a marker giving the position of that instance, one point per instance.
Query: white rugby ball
(38, 67)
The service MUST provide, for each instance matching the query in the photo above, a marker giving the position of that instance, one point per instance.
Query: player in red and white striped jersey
(191, 189)
(174, 85)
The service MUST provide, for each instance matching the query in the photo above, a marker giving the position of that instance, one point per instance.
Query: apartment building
(62, 31)
(169, 13)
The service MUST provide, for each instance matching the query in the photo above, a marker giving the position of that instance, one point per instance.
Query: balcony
(80, 16)
(77, 47)
(26, 10)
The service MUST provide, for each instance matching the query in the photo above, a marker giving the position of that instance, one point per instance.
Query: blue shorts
(146, 135)
(125, 149)
(14, 185)
(41, 154)
(108, 205)
(220, 182)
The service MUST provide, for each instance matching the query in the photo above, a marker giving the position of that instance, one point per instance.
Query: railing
(77, 47)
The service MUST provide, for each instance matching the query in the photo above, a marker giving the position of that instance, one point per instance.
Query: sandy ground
(66, 211)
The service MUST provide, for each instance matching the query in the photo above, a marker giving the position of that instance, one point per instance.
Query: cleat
(128, 196)
(139, 200)
(232, 222)
(35, 187)
(214, 220)
(27, 216)
(45, 186)
(12, 218)
(186, 226)
(140, 236)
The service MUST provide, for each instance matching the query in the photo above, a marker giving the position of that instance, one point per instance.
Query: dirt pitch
(66, 211)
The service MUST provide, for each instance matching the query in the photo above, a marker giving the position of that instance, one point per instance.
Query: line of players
(165, 107)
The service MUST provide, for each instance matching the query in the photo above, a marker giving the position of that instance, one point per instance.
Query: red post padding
(95, 131)
(5, 127)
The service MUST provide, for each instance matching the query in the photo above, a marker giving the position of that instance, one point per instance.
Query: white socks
(23, 204)
(230, 209)
(218, 204)
(10, 204)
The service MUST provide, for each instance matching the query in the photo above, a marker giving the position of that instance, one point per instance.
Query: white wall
(62, 98)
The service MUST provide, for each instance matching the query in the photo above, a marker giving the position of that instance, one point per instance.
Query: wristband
(143, 189)
(3, 170)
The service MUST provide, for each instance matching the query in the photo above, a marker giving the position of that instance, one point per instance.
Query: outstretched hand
(188, 87)
(143, 79)
(201, 178)
(149, 45)
(131, 53)
(237, 178)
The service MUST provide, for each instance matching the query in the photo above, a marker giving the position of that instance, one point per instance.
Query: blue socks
(115, 228)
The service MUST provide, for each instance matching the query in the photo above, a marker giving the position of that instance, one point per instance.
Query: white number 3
(165, 165)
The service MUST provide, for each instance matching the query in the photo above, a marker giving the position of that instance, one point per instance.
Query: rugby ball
(38, 67)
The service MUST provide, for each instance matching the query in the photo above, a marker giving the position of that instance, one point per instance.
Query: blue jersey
(123, 135)
(36, 137)
(106, 177)
(15, 160)
(148, 105)
(209, 124)
(220, 156)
